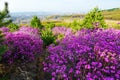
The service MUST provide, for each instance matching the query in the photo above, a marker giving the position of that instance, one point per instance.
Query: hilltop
(110, 14)
(113, 13)
(25, 17)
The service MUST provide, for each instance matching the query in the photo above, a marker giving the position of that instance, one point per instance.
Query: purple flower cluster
(22, 45)
(62, 30)
(4, 29)
(29, 30)
(118, 23)
(91, 55)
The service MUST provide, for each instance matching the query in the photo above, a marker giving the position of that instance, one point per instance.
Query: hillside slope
(113, 14)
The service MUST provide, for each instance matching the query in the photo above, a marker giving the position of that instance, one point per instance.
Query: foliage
(49, 25)
(23, 45)
(76, 25)
(2, 47)
(92, 17)
(4, 16)
(90, 55)
(13, 27)
(47, 36)
(35, 22)
(62, 23)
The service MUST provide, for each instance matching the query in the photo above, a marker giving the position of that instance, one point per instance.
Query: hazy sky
(58, 5)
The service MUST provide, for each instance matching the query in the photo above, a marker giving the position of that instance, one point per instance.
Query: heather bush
(61, 32)
(29, 30)
(89, 55)
(22, 45)
(4, 29)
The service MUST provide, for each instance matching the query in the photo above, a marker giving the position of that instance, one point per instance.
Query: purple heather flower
(4, 29)
(62, 30)
(22, 46)
(53, 78)
(87, 55)
(109, 78)
(87, 67)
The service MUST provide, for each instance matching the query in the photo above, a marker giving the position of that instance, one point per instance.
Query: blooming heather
(4, 29)
(89, 55)
(30, 31)
(22, 45)
(62, 30)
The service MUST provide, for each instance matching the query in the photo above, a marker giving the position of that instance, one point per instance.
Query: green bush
(35, 22)
(49, 25)
(13, 27)
(94, 16)
(76, 25)
(60, 37)
(2, 47)
(47, 36)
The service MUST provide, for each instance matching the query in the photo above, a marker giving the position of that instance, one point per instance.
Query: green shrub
(60, 36)
(2, 47)
(13, 27)
(92, 17)
(47, 36)
(50, 25)
(76, 25)
(35, 22)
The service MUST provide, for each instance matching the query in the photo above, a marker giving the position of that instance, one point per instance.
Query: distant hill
(113, 13)
(111, 9)
(18, 17)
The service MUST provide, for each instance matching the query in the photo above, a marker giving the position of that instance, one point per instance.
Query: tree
(4, 16)
(94, 18)
(35, 22)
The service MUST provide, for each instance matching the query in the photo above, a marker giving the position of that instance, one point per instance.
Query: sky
(58, 5)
